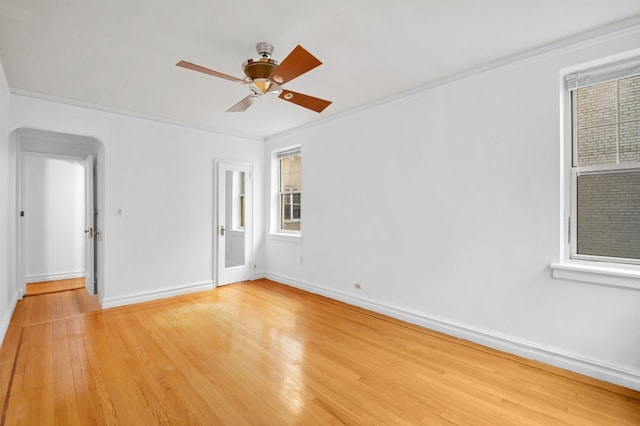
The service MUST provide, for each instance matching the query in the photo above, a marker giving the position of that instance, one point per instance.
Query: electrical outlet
(357, 286)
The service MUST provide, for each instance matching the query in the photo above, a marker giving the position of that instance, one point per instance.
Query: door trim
(249, 251)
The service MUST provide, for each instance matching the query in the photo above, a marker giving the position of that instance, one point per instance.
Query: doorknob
(222, 231)
(89, 231)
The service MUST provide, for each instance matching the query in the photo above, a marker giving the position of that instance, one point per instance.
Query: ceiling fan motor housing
(261, 68)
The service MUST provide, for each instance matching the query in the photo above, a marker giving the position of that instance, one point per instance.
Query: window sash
(574, 216)
(291, 208)
(616, 129)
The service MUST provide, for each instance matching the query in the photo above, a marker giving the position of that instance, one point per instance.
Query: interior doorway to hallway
(56, 208)
(59, 202)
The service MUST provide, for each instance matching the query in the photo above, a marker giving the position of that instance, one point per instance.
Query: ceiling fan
(264, 76)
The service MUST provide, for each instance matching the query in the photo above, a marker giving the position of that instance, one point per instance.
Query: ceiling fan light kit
(265, 77)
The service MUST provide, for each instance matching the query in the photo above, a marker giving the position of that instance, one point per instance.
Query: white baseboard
(258, 276)
(6, 319)
(54, 277)
(612, 373)
(145, 296)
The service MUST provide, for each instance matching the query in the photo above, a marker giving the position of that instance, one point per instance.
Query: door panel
(90, 227)
(233, 231)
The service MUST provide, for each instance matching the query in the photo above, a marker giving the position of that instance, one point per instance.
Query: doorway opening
(59, 199)
(54, 198)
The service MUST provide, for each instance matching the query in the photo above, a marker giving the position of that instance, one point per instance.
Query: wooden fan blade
(315, 104)
(297, 63)
(194, 67)
(244, 104)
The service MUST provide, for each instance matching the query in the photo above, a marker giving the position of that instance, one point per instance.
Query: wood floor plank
(44, 287)
(263, 353)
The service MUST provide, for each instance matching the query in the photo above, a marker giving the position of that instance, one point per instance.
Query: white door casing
(90, 230)
(234, 222)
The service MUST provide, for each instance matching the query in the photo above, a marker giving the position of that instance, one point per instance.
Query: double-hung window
(289, 165)
(604, 221)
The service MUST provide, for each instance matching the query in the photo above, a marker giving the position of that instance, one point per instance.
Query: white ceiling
(121, 54)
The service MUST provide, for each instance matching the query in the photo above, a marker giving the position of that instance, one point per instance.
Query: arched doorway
(57, 152)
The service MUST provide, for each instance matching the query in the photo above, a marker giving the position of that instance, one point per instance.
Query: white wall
(161, 176)
(445, 206)
(8, 293)
(53, 202)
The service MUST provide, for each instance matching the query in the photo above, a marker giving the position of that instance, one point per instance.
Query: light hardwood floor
(34, 289)
(262, 353)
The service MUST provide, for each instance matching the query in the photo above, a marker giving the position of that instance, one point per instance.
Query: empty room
(362, 212)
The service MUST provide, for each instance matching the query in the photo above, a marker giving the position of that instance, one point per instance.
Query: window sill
(281, 236)
(608, 274)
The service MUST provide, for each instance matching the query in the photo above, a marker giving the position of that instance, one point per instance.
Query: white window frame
(276, 210)
(615, 272)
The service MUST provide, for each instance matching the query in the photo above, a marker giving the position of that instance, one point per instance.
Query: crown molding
(126, 113)
(600, 34)
(597, 35)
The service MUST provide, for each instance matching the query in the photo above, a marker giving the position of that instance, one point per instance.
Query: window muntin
(289, 190)
(606, 171)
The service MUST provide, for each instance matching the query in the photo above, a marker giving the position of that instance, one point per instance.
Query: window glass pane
(597, 145)
(242, 211)
(290, 173)
(284, 174)
(628, 98)
(294, 182)
(296, 205)
(596, 104)
(630, 140)
(609, 214)
(285, 202)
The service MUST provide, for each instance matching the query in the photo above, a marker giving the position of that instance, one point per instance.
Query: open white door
(89, 227)
(233, 231)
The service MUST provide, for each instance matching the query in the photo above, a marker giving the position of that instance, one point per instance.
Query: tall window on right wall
(289, 190)
(605, 163)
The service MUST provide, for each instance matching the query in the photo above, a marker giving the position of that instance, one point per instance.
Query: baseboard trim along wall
(616, 374)
(6, 319)
(145, 296)
(258, 276)
(54, 277)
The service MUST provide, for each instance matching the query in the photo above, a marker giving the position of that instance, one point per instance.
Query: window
(604, 223)
(289, 190)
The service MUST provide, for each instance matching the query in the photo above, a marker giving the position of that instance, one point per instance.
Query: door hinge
(569, 230)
